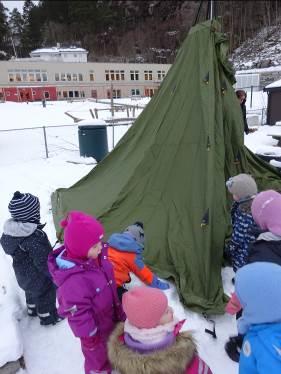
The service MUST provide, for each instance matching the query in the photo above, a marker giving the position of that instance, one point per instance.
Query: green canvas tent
(170, 168)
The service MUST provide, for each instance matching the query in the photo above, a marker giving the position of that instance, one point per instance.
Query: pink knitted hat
(144, 306)
(266, 211)
(81, 232)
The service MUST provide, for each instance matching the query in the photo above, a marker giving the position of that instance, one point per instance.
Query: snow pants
(96, 360)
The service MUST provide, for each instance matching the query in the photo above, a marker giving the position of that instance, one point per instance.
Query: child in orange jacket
(125, 253)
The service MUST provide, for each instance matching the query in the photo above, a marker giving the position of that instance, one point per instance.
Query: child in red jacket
(125, 253)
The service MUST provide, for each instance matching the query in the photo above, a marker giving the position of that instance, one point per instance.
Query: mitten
(157, 283)
(233, 306)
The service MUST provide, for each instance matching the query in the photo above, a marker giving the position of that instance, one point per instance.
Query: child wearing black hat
(25, 241)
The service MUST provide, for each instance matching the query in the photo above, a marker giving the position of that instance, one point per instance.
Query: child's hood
(269, 336)
(14, 232)
(124, 242)
(62, 269)
(257, 286)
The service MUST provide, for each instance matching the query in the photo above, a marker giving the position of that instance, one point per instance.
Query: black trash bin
(93, 141)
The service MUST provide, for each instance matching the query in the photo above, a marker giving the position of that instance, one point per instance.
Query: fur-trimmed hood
(174, 359)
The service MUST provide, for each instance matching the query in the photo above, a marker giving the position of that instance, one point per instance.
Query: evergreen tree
(16, 23)
(4, 32)
(16, 29)
(32, 27)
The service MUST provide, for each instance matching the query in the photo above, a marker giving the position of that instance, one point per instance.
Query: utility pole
(111, 99)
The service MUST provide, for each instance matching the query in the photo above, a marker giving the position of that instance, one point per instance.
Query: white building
(59, 54)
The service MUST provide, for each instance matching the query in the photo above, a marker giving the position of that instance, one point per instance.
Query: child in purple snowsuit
(86, 288)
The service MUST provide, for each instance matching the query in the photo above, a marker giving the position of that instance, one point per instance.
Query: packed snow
(24, 167)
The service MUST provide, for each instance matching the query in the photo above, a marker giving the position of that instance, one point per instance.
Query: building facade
(27, 80)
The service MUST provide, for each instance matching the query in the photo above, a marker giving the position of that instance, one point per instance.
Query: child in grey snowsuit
(244, 230)
(25, 241)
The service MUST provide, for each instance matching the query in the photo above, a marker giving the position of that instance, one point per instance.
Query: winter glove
(233, 306)
(157, 283)
(90, 342)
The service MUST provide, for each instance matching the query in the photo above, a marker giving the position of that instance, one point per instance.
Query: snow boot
(233, 347)
(50, 318)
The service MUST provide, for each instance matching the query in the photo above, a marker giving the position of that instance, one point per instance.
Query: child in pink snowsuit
(150, 341)
(86, 288)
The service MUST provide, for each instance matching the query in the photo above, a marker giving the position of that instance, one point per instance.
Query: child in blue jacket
(258, 290)
(244, 230)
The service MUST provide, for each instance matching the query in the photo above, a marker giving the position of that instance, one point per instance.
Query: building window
(33, 93)
(62, 77)
(161, 74)
(31, 77)
(135, 92)
(82, 93)
(92, 77)
(11, 77)
(150, 91)
(46, 95)
(94, 94)
(58, 94)
(114, 75)
(24, 77)
(76, 93)
(18, 77)
(80, 76)
(57, 77)
(74, 77)
(68, 76)
(64, 94)
(116, 94)
(38, 77)
(134, 75)
(70, 93)
(148, 75)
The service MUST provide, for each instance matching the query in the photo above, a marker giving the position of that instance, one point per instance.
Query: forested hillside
(125, 30)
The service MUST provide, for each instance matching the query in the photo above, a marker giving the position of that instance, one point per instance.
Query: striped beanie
(25, 207)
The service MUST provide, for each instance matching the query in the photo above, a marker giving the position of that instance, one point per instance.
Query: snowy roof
(274, 84)
(56, 50)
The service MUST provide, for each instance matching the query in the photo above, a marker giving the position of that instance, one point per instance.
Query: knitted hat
(144, 306)
(266, 211)
(242, 185)
(81, 232)
(25, 207)
(136, 231)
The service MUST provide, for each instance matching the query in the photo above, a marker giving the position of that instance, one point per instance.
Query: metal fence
(37, 142)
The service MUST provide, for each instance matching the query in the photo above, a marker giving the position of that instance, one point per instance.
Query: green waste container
(93, 140)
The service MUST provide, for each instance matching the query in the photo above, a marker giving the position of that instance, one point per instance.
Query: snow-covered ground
(24, 167)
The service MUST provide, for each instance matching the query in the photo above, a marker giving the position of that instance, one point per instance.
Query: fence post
(96, 113)
(251, 101)
(45, 140)
(134, 110)
(127, 112)
(113, 136)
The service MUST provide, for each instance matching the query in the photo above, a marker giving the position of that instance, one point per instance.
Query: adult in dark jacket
(25, 241)
(242, 97)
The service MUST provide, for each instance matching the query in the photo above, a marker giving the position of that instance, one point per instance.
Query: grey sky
(11, 4)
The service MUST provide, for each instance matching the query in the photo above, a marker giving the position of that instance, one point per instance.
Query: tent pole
(211, 9)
